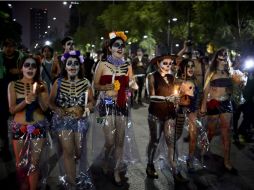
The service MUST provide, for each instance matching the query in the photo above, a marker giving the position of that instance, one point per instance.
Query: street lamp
(169, 36)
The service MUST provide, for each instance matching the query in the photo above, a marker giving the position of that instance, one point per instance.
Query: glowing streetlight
(48, 43)
(14, 19)
(170, 41)
(9, 5)
(45, 32)
(145, 36)
(65, 3)
(49, 26)
(102, 38)
(54, 18)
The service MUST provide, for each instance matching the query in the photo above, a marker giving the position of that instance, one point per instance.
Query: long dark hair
(214, 62)
(182, 71)
(105, 47)
(38, 65)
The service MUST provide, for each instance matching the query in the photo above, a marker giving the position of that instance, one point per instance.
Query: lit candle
(86, 97)
(34, 87)
(176, 90)
(113, 77)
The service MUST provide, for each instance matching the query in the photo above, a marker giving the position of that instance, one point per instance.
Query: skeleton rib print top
(71, 94)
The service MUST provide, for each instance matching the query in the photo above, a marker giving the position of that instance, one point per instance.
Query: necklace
(116, 62)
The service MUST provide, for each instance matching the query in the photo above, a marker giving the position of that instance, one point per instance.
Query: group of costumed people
(175, 100)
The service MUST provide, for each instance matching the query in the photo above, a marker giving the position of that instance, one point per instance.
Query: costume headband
(70, 53)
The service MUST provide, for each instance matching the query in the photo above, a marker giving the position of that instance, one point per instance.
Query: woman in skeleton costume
(216, 102)
(162, 114)
(28, 98)
(71, 99)
(112, 78)
(190, 106)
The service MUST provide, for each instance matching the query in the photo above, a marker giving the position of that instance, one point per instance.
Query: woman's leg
(193, 133)
(37, 146)
(20, 172)
(77, 139)
(169, 132)
(225, 120)
(66, 138)
(119, 143)
(155, 129)
(109, 135)
(212, 123)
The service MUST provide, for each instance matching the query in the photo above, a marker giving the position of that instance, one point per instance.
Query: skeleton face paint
(190, 68)
(117, 49)
(72, 66)
(166, 66)
(29, 68)
(69, 45)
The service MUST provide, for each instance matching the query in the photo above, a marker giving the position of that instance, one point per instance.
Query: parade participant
(46, 65)
(10, 59)
(58, 66)
(112, 78)
(217, 104)
(71, 99)
(139, 65)
(186, 73)
(28, 98)
(162, 114)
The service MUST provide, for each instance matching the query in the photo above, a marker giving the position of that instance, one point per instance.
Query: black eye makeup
(167, 63)
(72, 63)
(190, 65)
(70, 44)
(118, 45)
(28, 65)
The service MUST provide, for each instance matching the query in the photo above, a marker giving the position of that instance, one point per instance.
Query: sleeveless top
(221, 82)
(20, 94)
(162, 110)
(71, 94)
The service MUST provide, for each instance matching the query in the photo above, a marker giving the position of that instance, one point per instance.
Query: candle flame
(34, 87)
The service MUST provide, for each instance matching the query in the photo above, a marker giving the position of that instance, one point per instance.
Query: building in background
(39, 24)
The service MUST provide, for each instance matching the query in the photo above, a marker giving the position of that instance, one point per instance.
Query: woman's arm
(91, 101)
(52, 98)
(205, 91)
(98, 74)
(151, 85)
(43, 96)
(13, 107)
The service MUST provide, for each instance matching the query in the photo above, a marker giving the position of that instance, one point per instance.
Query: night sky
(21, 12)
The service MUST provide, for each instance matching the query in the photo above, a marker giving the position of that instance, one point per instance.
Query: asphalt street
(209, 176)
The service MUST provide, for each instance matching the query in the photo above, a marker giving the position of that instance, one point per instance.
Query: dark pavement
(211, 177)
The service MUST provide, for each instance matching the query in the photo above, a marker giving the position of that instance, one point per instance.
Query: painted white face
(69, 45)
(29, 68)
(190, 69)
(166, 66)
(117, 49)
(72, 66)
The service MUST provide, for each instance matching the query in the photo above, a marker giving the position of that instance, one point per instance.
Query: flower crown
(120, 34)
(73, 52)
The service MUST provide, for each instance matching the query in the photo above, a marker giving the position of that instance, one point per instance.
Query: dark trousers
(140, 82)
(248, 119)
